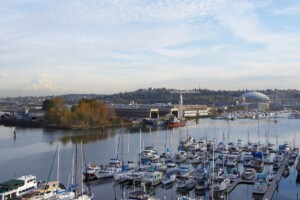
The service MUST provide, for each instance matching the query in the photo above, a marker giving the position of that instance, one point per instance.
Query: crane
(181, 92)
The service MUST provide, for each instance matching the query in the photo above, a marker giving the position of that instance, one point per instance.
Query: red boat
(176, 124)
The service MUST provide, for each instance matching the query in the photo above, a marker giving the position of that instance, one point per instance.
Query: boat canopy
(10, 185)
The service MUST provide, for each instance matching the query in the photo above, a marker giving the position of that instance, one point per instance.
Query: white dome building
(255, 100)
(255, 97)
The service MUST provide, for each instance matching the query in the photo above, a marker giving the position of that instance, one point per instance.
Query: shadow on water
(257, 196)
(298, 179)
(93, 135)
(84, 136)
(99, 181)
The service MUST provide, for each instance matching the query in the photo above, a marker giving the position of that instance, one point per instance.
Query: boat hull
(176, 124)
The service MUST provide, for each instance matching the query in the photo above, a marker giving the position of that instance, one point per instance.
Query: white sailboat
(84, 195)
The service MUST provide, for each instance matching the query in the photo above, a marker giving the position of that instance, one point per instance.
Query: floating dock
(273, 184)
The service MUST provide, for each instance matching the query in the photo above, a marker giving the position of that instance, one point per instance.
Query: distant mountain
(44, 85)
(41, 87)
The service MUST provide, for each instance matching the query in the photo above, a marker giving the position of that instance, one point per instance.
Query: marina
(165, 142)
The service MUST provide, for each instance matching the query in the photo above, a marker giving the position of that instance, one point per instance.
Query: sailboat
(125, 169)
(53, 189)
(84, 195)
(65, 193)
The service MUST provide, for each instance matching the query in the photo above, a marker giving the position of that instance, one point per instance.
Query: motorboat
(278, 157)
(249, 174)
(216, 172)
(188, 142)
(291, 161)
(270, 176)
(153, 178)
(44, 191)
(234, 173)
(220, 183)
(258, 164)
(108, 171)
(17, 187)
(194, 147)
(157, 166)
(260, 184)
(247, 156)
(237, 155)
(276, 165)
(248, 163)
(221, 160)
(175, 122)
(200, 172)
(91, 171)
(265, 151)
(138, 195)
(185, 170)
(240, 143)
(286, 172)
(186, 184)
(115, 162)
(149, 153)
(122, 176)
(231, 160)
(169, 178)
(194, 159)
(172, 167)
(184, 198)
(180, 157)
(202, 184)
(136, 176)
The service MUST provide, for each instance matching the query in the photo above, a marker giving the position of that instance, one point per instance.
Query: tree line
(87, 113)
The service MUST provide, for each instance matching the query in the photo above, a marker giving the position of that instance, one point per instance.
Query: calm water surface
(32, 151)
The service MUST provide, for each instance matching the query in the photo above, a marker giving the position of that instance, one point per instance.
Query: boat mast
(73, 170)
(122, 158)
(81, 166)
(58, 166)
(140, 146)
(75, 166)
(258, 130)
(213, 172)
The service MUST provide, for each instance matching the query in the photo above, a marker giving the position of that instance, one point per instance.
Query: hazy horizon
(110, 46)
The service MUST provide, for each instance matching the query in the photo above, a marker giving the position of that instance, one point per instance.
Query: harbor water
(32, 151)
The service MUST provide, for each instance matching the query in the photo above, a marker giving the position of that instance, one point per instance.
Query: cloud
(290, 10)
(241, 18)
(110, 45)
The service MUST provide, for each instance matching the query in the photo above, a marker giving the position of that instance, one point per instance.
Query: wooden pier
(238, 181)
(274, 184)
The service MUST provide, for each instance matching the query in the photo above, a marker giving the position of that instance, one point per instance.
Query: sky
(112, 46)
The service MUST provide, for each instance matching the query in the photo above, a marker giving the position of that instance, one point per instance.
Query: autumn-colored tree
(88, 113)
(57, 113)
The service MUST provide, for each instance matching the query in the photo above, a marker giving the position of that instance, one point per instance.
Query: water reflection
(298, 179)
(91, 136)
(32, 146)
(84, 136)
(257, 196)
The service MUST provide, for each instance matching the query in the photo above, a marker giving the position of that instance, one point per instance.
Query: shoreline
(40, 124)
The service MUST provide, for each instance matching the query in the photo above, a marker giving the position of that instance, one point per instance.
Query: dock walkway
(239, 181)
(274, 184)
